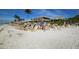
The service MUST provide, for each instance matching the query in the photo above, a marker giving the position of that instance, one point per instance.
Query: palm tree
(28, 11)
(17, 18)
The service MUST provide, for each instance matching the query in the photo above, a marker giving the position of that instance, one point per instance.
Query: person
(25, 25)
(34, 26)
(41, 25)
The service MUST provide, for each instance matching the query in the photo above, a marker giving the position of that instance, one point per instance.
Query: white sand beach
(66, 38)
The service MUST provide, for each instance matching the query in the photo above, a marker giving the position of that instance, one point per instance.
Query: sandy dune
(64, 38)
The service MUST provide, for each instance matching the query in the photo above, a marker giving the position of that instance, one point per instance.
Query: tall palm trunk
(28, 11)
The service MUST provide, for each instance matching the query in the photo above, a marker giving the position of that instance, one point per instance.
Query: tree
(60, 22)
(17, 18)
(28, 11)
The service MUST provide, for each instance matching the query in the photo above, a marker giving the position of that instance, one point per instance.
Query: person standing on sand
(42, 25)
(25, 25)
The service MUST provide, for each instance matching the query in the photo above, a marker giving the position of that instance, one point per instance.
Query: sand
(64, 38)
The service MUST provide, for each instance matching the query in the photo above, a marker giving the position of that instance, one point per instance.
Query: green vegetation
(72, 20)
(59, 22)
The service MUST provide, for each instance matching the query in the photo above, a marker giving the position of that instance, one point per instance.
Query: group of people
(38, 26)
(34, 26)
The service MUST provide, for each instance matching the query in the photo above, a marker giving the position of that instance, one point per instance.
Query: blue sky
(7, 14)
